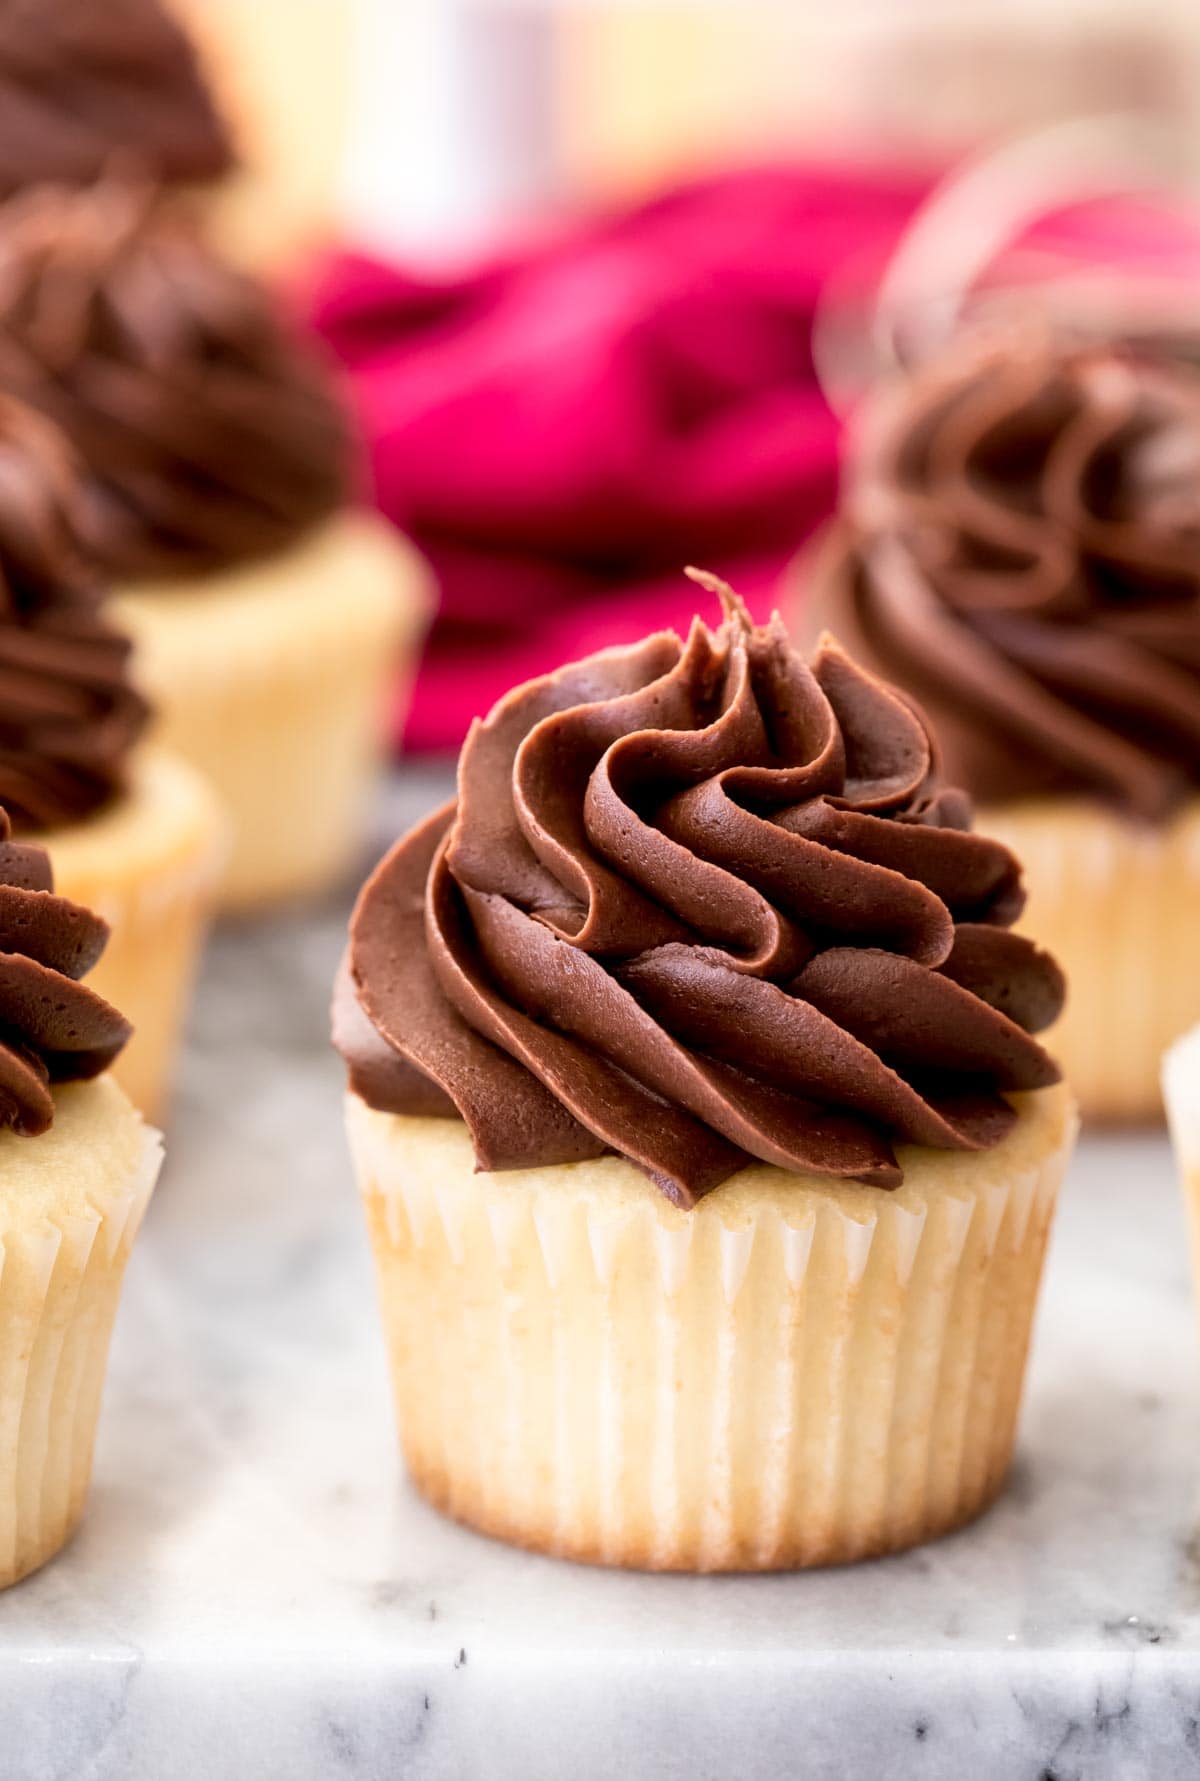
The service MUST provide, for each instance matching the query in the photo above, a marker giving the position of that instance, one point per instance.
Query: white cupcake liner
(60, 1283)
(272, 680)
(744, 1386)
(1114, 902)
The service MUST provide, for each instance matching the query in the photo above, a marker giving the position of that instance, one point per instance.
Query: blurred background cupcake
(239, 107)
(1019, 544)
(134, 833)
(269, 612)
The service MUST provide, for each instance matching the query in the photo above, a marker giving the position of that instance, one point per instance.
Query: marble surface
(257, 1593)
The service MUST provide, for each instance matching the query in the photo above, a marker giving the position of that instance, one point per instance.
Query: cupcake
(80, 81)
(134, 833)
(707, 1155)
(77, 1166)
(270, 616)
(1019, 545)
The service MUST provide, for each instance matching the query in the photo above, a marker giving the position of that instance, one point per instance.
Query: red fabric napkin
(566, 427)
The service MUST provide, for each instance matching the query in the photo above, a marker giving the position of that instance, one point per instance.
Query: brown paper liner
(272, 681)
(151, 865)
(63, 1248)
(795, 1373)
(1115, 903)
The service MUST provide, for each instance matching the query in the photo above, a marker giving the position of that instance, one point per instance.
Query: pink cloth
(564, 428)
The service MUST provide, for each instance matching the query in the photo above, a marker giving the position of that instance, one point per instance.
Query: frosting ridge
(1019, 542)
(52, 1027)
(699, 902)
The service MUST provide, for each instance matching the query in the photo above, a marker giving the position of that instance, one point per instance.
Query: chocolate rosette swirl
(1020, 544)
(210, 433)
(52, 1027)
(82, 78)
(698, 904)
(68, 715)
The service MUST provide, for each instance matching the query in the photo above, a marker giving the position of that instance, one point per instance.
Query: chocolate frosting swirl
(68, 714)
(52, 1028)
(211, 435)
(1020, 544)
(699, 903)
(80, 78)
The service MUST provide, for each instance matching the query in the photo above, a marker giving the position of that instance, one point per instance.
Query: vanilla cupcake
(1019, 545)
(707, 1157)
(270, 616)
(134, 833)
(77, 1167)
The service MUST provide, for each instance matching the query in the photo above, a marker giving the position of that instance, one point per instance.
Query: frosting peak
(68, 714)
(209, 433)
(698, 903)
(1020, 543)
(53, 1028)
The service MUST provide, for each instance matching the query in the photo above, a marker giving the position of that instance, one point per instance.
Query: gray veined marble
(256, 1594)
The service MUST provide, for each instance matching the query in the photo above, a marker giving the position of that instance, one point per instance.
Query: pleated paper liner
(64, 1244)
(1115, 903)
(795, 1373)
(151, 865)
(272, 681)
